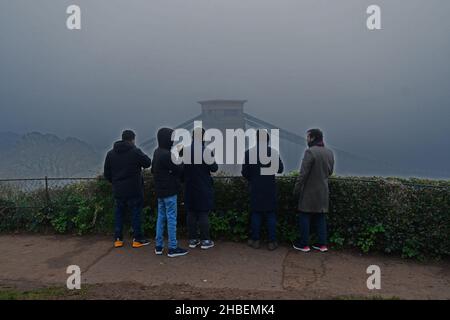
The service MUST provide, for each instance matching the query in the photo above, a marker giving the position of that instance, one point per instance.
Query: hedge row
(377, 215)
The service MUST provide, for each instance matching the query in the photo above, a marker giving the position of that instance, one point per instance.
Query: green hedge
(374, 215)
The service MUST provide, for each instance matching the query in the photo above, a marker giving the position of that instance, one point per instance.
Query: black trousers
(198, 220)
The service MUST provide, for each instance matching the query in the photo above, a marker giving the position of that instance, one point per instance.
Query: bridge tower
(222, 115)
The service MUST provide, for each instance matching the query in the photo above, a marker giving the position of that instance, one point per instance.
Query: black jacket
(123, 168)
(199, 193)
(166, 174)
(263, 192)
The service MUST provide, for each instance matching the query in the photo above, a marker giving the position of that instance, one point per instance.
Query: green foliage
(368, 237)
(149, 224)
(337, 240)
(374, 215)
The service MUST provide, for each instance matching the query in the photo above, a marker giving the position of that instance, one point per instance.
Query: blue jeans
(305, 221)
(271, 220)
(167, 213)
(135, 205)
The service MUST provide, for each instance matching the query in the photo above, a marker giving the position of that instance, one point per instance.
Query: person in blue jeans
(135, 205)
(312, 191)
(166, 176)
(263, 192)
(123, 168)
(305, 219)
(167, 215)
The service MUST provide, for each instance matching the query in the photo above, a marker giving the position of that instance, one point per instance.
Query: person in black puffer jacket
(123, 168)
(166, 177)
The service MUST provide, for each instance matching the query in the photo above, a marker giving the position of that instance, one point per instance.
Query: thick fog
(300, 64)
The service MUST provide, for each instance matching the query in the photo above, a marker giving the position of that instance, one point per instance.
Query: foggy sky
(300, 64)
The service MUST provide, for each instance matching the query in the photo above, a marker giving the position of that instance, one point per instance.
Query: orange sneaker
(137, 243)
(118, 243)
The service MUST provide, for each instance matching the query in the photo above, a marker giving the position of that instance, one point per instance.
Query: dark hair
(315, 134)
(128, 135)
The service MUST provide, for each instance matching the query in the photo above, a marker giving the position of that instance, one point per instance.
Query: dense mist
(300, 64)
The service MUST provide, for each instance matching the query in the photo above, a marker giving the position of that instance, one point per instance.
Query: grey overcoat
(312, 183)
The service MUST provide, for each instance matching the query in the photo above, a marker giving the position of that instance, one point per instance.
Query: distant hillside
(7, 141)
(37, 155)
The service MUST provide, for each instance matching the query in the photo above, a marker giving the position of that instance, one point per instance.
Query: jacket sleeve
(305, 168)
(177, 169)
(143, 160)
(213, 167)
(331, 166)
(280, 166)
(245, 171)
(246, 167)
(107, 168)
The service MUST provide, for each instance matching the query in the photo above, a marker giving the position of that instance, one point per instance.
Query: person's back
(263, 193)
(312, 189)
(315, 195)
(199, 194)
(166, 176)
(123, 168)
(262, 186)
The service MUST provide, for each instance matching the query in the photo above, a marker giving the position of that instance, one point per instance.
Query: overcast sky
(300, 64)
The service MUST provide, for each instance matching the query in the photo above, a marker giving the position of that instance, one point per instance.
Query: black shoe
(193, 243)
(137, 243)
(159, 250)
(254, 244)
(207, 244)
(177, 252)
(272, 245)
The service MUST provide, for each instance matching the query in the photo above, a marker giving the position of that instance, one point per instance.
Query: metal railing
(32, 193)
(35, 192)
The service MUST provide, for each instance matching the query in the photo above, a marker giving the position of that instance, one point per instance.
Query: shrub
(406, 217)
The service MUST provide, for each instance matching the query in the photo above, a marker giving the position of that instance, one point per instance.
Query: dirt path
(228, 271)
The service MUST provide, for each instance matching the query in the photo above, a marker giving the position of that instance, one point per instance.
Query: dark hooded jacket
(263, 192)
(166, 174)
(123, 168)
(199, 193)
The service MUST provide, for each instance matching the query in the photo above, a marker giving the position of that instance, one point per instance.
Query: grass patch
(49, 293)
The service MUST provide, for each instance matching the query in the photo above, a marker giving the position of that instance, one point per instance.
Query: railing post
(47, 194)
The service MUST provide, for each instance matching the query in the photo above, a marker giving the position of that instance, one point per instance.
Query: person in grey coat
(312, 189)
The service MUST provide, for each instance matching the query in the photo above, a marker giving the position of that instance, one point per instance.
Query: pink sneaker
(303, 249)
(321, 248)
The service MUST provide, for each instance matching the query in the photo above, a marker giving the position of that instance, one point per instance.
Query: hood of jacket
(122, 146)
(165, 138)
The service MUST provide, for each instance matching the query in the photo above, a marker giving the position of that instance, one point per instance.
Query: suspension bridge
(229, 114)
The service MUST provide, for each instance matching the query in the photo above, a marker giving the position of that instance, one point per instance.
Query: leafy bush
(374, 215)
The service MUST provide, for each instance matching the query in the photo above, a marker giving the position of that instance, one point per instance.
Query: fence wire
(32, 193)
(39, 192)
